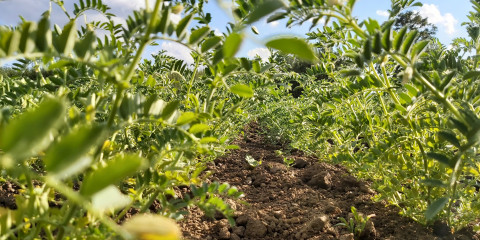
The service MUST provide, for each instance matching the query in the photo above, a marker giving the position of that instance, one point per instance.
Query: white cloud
(432, 13)
(263, 53)
(31, 10)
(126, 4)
(217, 32)
(383, 13)
(178, 51)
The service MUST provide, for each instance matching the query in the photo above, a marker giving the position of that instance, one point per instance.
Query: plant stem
(193, 76)
(152, 198)
(432, 88)
(133, 65)
(66, 220)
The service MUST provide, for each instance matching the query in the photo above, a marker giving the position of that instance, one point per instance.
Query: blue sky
(447, 15)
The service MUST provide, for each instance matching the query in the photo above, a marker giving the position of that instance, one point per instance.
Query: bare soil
(304, 201)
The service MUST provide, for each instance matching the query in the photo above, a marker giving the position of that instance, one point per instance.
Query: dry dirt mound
(304, 201)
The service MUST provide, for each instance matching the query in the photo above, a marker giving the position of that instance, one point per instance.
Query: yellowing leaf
(152, 227)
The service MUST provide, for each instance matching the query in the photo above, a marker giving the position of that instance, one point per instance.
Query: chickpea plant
(97, 132)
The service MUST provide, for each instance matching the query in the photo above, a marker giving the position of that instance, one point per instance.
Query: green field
(97, 142)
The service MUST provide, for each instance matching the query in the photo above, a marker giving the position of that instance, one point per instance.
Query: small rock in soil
(231, 203)
(223, 233)
(239, 230)
(318, 224)
(321, 180)
(366, 189)
(223, 224)
(300, 163)
(313, 227)
(275, 167)
(332, 209)
(349, 236)
(350, 181)
(234, 237)
(278, 214)
(255, 229)
(242, 220)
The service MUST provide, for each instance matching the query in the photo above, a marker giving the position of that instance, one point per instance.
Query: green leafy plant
(288, 161)
(96, 131)
(355, 224)
(252, 162)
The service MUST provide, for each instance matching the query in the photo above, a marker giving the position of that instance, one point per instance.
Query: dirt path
(299, 202)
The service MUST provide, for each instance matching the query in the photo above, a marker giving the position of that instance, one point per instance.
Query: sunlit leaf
(109, 198)
(294, 46)
(116, 169)
(263, 9)
(232, 45)
(182, 25)
(242, 90)
(66, 41)
(152, 227)
(199, 128)
(198, 35)
(186, 117)
(170, 109)
(67, 157)
(30, 133)
(210, 43)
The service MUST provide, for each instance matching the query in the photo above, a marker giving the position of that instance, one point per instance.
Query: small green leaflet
(450, 137)
(27, 39)
(182, 25)
(43, 39)
(66, 41)
(232, 45)
(198, 35)
(409, 39)
(242, 90)
(199, 128)
(67, 157)
(186, 117)
(471, 74)
(263, 9)
(295, 46)
(252, 162)
(30, 133)
(117, 169)
(170, 109)
(86, 46)
(441, 158)
(433, 183)
(210, 43)
(398, 40)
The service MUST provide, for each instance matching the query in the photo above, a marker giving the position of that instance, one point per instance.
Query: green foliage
(252, 162)
(294, 46)
(355, 224)
(100, 131)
